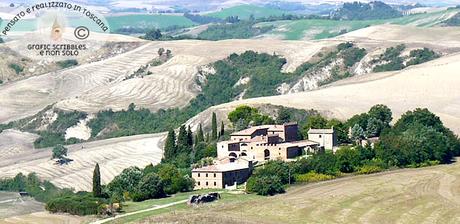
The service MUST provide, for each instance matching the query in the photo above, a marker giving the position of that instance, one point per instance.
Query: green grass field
(136, 206)
(245, 11)
(321, 29)
(148, 21)
(316, 28)
(424, 195)
(117, 22)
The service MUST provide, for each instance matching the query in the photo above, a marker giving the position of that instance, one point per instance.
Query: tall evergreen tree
(182, 140)
(196, 139)
(97, 189)
(222, 129)
(189, 136)
(170, 149)
(208, 137)
(214, 126)
(200, 135)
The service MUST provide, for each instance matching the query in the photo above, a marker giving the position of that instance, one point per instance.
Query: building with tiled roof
(269, 142)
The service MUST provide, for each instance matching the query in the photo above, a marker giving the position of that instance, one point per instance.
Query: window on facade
(198, 175)
(206, 175)
(214, 175)
(198, 183)
(206, 183)
(215, 184)
(320, 136)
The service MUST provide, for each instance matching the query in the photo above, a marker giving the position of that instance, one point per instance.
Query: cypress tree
(97, 189)
(208, 138)
(170, 149)
(189, 136)
(214, 126)
(222, 129)
(200, 137)
(182, 140)
(196, 140)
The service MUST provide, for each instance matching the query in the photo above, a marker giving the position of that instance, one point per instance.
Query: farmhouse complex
(258, 144)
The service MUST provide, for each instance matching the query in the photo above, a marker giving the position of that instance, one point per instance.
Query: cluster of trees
(57, 200)
(370, 124)
(55, 132)
(348, 52)
(18, 69)
(391, 59)
(417, 139)
(244, 116)
(200, 19)
(67, 63)
(153, 34)
(151, 182)
(419, 136)
(234, 29)
(188, 148)
(365, 11)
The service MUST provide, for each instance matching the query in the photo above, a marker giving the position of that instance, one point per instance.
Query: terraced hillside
(100, 85)
(426, 195)
(113, 156)
(26, 97)
(431, 85)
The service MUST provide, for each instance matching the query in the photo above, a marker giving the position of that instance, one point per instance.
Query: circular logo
(81, 32)
(55, 31)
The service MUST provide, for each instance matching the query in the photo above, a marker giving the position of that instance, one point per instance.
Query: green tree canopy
(170, 149)
(59, 152)
(149, 187)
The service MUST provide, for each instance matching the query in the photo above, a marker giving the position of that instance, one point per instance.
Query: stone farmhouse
(271, 142)
(236, 156)
(222, 174)
(326, 138)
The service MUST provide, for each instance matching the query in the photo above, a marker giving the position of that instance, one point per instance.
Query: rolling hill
(102, 85)
(426, 195)
(245, 11)
(314, 29)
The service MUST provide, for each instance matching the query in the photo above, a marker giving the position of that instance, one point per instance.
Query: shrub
(67, 63)
(325, 163)
(17, 68)
(348, 159)
(276, 168)
(265, 185)
(368, 169)
(173, 180)
(312, 177)
(78, 204)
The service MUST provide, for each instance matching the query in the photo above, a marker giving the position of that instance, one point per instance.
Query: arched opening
(244, 154)
(267, 154)
(232, 157)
